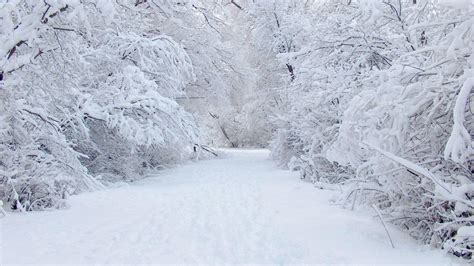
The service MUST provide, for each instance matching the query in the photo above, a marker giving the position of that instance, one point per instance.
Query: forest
(372, 100)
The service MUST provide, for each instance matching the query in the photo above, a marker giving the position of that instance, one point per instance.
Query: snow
(456, 3)
(237, 209)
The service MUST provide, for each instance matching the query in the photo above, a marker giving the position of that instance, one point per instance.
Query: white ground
(237, 209)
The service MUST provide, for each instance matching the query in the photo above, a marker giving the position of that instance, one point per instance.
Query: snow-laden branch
(460, 145)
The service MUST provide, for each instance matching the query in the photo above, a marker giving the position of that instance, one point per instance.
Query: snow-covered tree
(89, 92)
(378, 102)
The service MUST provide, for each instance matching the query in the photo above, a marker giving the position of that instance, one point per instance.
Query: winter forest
(158, 114)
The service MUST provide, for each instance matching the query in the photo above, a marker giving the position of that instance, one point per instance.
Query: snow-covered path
(237, 209)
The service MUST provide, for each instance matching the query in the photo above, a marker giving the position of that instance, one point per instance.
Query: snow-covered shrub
(88, 91)
(39, 168)
(380, 101)
(411, 125)
(328, 69)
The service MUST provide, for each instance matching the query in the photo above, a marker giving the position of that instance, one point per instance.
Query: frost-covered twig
(410, 165)
(384, 225)
(444, 191)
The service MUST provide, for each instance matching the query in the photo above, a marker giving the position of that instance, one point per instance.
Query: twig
(384, 225)
(236, 5)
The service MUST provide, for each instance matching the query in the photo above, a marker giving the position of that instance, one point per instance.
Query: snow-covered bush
(379, 101)
(88, 92)
(38, 165)
(410, 125)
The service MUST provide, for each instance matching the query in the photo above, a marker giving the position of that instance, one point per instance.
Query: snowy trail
(237, 209)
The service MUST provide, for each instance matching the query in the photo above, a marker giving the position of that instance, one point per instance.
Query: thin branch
(384, 225)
